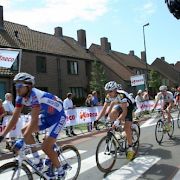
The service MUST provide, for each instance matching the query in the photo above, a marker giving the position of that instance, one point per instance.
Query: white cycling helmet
(163, 88)
(119, 86)
(110, 86)
(25, 77)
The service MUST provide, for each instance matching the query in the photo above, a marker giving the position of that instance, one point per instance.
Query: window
(72, 67)
(77, 91)
(41, 64)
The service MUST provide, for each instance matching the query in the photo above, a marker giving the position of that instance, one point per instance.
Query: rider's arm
(13, 120)
(111, 106)
(103, 111)
(33, 126)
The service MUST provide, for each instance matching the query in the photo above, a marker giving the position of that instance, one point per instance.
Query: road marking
(134, 169)
(148, 123)
(41, 153)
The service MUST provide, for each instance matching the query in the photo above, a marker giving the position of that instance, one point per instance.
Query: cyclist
(120, 110)
(47, 112)
(167, 100)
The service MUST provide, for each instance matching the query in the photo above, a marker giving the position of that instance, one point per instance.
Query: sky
(121, 21)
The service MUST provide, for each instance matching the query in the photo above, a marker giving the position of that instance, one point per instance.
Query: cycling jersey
(122, 97)
(168, 97)
(51, 109)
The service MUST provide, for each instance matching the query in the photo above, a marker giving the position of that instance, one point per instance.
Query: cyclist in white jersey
(47, 112)
(167, 100)
(120, 109)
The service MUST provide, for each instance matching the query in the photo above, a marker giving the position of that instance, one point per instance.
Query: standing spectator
(9, 108)
(145, 95)
(68, 104)
(139, 97)
(2, 111)
(89, 103)
(7, 104)
(95, 100)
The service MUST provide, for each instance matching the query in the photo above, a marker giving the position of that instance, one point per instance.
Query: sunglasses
(20, 85)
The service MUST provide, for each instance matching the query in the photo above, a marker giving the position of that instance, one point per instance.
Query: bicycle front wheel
(11, 171)
(171, 128)
(159, 131)
(106, 154)
(71, 158)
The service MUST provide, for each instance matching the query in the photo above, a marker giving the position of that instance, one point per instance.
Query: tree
(98, 78)
(155, 80)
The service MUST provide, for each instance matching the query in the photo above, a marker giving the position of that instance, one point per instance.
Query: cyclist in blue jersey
(47, 112)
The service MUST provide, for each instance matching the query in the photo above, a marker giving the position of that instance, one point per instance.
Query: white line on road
(177, 176)
(133, 169)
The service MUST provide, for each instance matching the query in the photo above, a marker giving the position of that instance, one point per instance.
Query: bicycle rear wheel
(71, 158)
(159, 131)
(171, 131)
(12, 171)
(106, 154)
(178, 119)
(135, 141)
(136, 126)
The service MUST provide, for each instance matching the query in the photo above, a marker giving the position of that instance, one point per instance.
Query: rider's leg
(128, 130)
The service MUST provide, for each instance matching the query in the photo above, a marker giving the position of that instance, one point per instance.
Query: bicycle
(103, 124)
(115, 142)
(19, 168)
(178, 118)
(162, 126)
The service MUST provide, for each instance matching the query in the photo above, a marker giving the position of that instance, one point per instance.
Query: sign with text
(137, 80)
(7, 57)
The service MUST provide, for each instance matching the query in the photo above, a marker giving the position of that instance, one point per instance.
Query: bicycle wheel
(171, 131)
(106, 154)
(136, 126)
(71, 158)
(178, 119)
(135, 140)
(12, 171)
(159, 132)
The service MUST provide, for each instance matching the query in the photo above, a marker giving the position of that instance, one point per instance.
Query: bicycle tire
(112, 152)
(72, 157)
(171, 132)
(135, 141)
(137, 128)
(159, 129)
(27, 175)
(178, 119)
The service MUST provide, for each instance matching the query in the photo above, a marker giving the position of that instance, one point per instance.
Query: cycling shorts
(54, 124)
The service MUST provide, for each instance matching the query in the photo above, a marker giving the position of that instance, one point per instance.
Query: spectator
(9, 108)
(2, 111)
(145, 95)
(89, 103)
(7, 104)
(68, 104)
(139, 97)
(95, 100)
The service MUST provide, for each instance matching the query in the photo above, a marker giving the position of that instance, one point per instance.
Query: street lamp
(145, 55)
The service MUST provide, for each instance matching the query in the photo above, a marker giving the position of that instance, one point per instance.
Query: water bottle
(18, 144)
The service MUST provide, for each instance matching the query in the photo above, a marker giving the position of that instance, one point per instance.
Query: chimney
(143, 56)
(1, 18)
(131, 53)
(58, 32)
(109, 45)
(81, 37)
(104, 44)
(163, 58)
